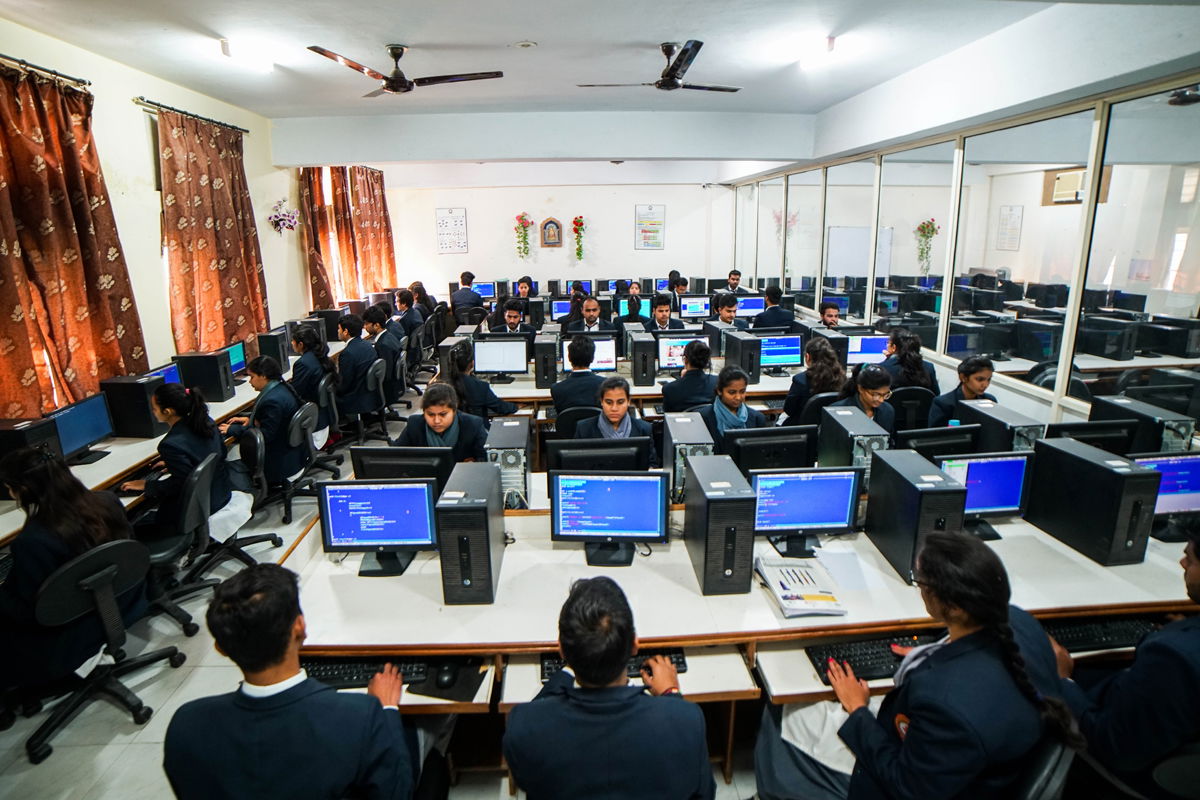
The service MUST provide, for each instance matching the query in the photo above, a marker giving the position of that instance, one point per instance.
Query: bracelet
(672, 690)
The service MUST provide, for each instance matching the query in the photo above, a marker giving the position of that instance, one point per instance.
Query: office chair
(327, 399)
(90, 584)
(1179, 772)
(1076, 387)
(912, 405)
(811, 413)
(399, 375)
(376, 375)
(566, 422)
(1130, 377)
(1046, 771)
(300, 431)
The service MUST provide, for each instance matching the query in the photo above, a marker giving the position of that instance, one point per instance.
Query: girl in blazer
(474, 396)
(728, 410)
(615, 420)
(868, 389)
(823, 373)
(441, 424)
(272, 413)
(307, 373)
(695, 385)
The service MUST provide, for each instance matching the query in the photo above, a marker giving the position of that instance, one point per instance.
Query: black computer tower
(744, 349)
(545, 361)
(1158, 430)
(847, 437)
(643, 353)
(129, 402)
(444, 348)
(1092, 501)
(840, 342)
(380, 297)
(331, 317)
(508, 446)
(910, 498)
(1183, 338)
(470, 523)
(718, 525)
(1108, 337)
(277, 345)
(684, 436)
(713, 329)
(647, 287)
(535, 312)
(1001, 428)
(787, 301)
(319, 325)
(1038, 339)
(18, 433)
(210, 372)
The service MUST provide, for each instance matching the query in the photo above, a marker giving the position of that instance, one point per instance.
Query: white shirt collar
(251, 690)
(375, 338)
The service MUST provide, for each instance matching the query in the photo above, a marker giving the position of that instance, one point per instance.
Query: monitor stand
(980, 529)
(609, 554)
(238, 381)
(776, 372)
(385, 565)
(87, 456)
(796, 545)
(1172, 529)
(501, 377)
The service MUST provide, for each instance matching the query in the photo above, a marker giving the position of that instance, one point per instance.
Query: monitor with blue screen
(750, 305)
(781, 351)
(843, 302)
(485, 288)
(169, 373)
(887, 304)
(695, 306)
(927, 282)
(793, 505)
(865, 349)
(559, 309)
(996, 484)
(587, 284)
(662, 284)
(623, 307)
(609, 511)
(1178, 492)
(237, 357)
(388, 521)
(81, 425)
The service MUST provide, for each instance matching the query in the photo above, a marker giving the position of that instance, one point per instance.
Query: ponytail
(1056, 716)
(462, 355)
(311, 342)
(188, 405)
(908, 353)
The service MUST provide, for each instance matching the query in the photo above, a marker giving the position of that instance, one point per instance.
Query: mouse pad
(471, 672)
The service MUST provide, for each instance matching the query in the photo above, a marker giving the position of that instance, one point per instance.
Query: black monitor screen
(82, 424)
(1113, 435)
(1179, 491)
(790, 446)
(376, 463)
(603, 506)
(806, 500)
(632, 453)
(934, 442)
(362, 515)
(995, 483)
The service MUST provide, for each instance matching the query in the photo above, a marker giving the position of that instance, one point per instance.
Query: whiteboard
(849, 248)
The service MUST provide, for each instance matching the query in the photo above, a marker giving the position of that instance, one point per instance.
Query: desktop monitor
(559, 309)
(566, 284)
(781, 351)
(1113, 435)
(237, 358)
(934, 442)
(927, 282)
(843, 301)
(695, 306)
(775, 447)
(793, 505)
(379, 463)
(81, 425)
(608, 511)
(387, 521)
(865, 349)
(1129, 301)
(887, 304)
(961, 345)
(485, 289)
(662, 285)
(168, 372)
(605, 359)
(1178, 492)
(751, 305)
(997, 486)
(501, 356)
(623, 307)
(670, 349)
(573, 455)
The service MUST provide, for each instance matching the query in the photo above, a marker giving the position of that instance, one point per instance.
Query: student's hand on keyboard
(900, 650)
(387, 686)
(1066, 664)
(133, 486)
(851, 692)
(659, 674)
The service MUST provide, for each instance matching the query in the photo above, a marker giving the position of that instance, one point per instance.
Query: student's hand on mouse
(387, 686)
(1066, 664)
(660, 675)
(851, 692)
(133, 486)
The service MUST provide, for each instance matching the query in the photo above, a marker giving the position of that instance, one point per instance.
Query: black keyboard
(552, 662)
(551, 412)
(6, 560)
(774, 405)
(1082, 635)
(353, 673)
(869, 658)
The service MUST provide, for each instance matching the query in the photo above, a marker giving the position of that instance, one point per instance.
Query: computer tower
(987, 300)
(277, 345)
(470, 523)
(545, 361)
(744, 349)
(535, 312)
(444, 352)
(1158, 430)
(647, 287)
(713, 330)
(129, 402)
(1183, 338)
(318, 325)
(643, 352)
(684, 436)
(379, 297)
(909, 499)
(210, 372)
(1092, 501)
(718, 525)
(467, 331)
(18, 433)
(787, 302)
(847, 437)
(1108, 337)
(1038, 339)
(840, 342)
(508, 447)
(1001, 428)
(331, 317)
(1190, 396)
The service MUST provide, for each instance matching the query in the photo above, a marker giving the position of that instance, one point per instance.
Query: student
(441, 424)
(408, 315)
(353, 362)
(694, 386)
(616, 420)
(474, 396)
(391, 324)
(633, 320)
(734, 283)
(465, 296)
(905, 363)
(62, 521)
(307, 373)
(591, 319)
(575, 313)
(192, 436)
(281, 733)
(974, 377)
(868, 389)
(388, 348)
(830, 313)
(823, 373)
(580, 386)
(662, 321)
(272, 414)
(610, 739)
(727, 311)
(1134, 717)
(425, 300)
(775, 315)
(513, 309)
(728, 410)
(635, 287)
(525, 289)
(678, 289)
(577, 288)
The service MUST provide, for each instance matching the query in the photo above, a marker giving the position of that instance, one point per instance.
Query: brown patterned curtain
(343, 226)
(314, 226)
(70, 317)
(218, 294)
(372, 230)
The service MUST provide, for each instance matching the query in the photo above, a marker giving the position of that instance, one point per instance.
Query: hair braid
(1056, 717)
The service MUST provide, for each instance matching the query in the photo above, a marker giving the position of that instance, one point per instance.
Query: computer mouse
(446, 676)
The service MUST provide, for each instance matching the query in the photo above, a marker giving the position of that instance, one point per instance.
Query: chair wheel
(339, 460)
(39, 754)
(276, 541)
(142, 714)
(7, 719)
(190, 629)
(177, 659)
(286, 518)
(337, 473)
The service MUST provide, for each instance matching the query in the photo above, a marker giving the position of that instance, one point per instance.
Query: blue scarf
(727, 420)
(622, 431)
(447, 439)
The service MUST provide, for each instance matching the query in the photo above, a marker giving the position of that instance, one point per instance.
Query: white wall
(127, 157)
(1050, 235)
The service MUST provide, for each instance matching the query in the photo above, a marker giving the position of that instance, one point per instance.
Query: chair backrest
(252, 448)
(302, 425)
(461, 315)
(197, 502)
(1045, 771)
(566, 422)
(476, 315)
(376, 374)
(697, 407)
(912, 406)
(811, 413)
(327, 399)
(1130, 377)
(1179, 773)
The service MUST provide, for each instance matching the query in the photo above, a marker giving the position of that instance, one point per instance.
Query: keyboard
(658, 409)
(1083, 635)
(354, 673)
(6, 561)
(774, 404)
(551, 412)
(870, 658)
(552, 662)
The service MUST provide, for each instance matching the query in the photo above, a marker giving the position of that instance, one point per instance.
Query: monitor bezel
(1137, 458)
(944, 430)
(1026, 481)
(61, 410)
(157, 372)
(799, 362)
(687, 335)
(323, 505)
(245, 361)
(683, 298)
(859, 475)
(525, 338)
(1058, 429)
(565, 341)
(663, 479)
(877, 357)
(745, 311)
(475, 288)
(442, 458)
(732, 437)
(554, 448)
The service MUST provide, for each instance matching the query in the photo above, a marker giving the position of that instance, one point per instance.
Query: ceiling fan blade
(376, 93)
(687, 54)
(711, 88)
(465, 76)
(354, 65)
(608, 85)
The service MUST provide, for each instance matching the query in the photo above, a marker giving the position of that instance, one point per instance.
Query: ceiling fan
(396, 83)
(678, 61)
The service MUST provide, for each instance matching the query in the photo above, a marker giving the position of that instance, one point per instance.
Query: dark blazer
(306, 378)
(774, 317)
(691, 388)
(617, 743)
(885, 415)
(892, 365)
(309, 741)
(739, 290)
(601, 325)
(33, 654)
(353, 363)
(181, 452)
(741, 323)
(395, 328)
(672, 325)
(388, 348)
(945, 406)
(968, 727)
(471, 436)
(1137, 716)
(273, 412)
(590, 429)
(466, 297)
(481, 398)
(755, 419)
(797, 396)
(577, 389)
(412, 319)
(522, 328)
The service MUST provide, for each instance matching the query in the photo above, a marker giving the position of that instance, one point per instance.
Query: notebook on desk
(801, 587)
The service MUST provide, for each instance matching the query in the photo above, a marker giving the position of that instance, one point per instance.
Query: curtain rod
(45, 70)
(141, 101)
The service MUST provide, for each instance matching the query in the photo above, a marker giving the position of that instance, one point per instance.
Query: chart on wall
(649, 227)
(451, 230)
(1008, 230)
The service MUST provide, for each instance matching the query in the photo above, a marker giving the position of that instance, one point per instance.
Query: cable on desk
(509, 539)
(648, 552)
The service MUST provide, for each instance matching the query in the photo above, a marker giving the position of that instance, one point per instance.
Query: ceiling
(754, 44)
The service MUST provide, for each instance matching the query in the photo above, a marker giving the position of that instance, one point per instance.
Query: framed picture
(552, 232)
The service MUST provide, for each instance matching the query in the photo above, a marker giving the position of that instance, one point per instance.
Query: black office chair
(1077, 387)
(1130, 377)
(327, 399)
(1046, 771)
(912, 406)
(811, 413)
(473, 316)
(399, 375)
(376, 374)
(566, 422)
(300, 431)
(1179, 773)
(90, 584)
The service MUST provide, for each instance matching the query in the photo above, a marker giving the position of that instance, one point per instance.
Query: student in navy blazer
(407, 314)
(822, 373)
(775, 315)
(465, 296)
(474, 396)
(387, 347)
(727, 305)
(353, 363)
(311, 368)
(905, 363)
(728, 410)
(868, 389)
(581, 386)
(694, 386)
(591, 319)
(661, 319)
(272, 414)
(974, 377)
(616, 420)
(441, 424)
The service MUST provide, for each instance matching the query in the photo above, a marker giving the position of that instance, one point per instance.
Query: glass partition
(849, 214)
(770, 232)
(802, 236)
(746, 227)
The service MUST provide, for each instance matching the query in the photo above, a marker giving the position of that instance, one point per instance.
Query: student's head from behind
(439, 405)
(595, 632)
(512, 313)
(374, 320)
(962, 580)
(830, 313)
(634, 304)
(173, 402)
(697, 355)
(871, 384)
(975, 375)
(735, 278)
(727, 307)
(577, 287)
(386, 308)
(350, 327)
(581, 351)
(614, 399)
(466, 279)
(255, 617)
(773, 295)
(305, 340)
(263, 370)
(662, 309)
(404, 300)
(731, 387)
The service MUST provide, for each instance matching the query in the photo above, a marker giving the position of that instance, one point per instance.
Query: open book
(801, 587)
